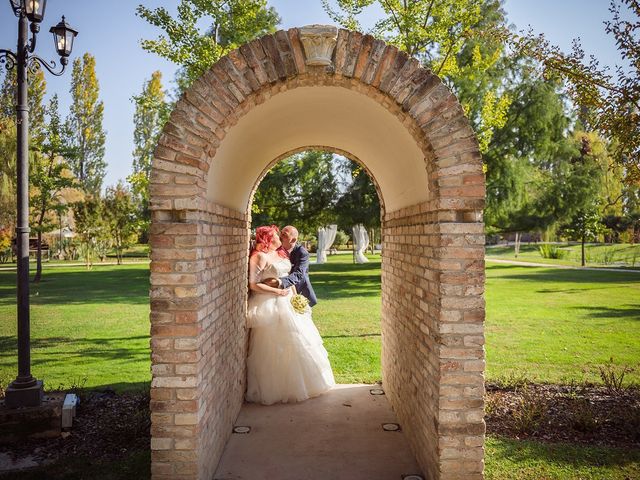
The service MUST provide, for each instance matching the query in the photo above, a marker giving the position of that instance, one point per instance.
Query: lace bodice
(278, 269)
(275, 270)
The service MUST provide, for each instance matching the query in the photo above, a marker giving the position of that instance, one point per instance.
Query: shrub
(341, 239)
(613, 377)
(529, 411)
(551, 251)
(5, 245)
(608, 255)
(512, 381)
(583, 418)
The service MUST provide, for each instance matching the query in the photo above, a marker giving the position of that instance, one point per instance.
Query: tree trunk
(38, 276)
(517, 246)
(584, 263)
(372, 240)
(43, 210)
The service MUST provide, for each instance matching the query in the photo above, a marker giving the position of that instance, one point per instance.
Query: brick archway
(252, 107)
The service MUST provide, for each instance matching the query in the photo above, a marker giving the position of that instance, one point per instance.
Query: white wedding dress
(287, 361)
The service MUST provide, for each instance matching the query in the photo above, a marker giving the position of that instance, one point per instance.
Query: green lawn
(91, 327)
(88, 328)
(555, 325)
(596, 255)
(528, 460)
(348, 316)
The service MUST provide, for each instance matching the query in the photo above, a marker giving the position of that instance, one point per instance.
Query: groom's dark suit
(299, 274)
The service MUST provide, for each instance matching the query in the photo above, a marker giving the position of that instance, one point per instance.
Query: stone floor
(336, 436)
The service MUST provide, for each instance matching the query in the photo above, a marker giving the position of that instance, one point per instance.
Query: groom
(299, 274)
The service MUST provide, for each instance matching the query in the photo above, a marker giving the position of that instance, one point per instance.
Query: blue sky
(111, 32)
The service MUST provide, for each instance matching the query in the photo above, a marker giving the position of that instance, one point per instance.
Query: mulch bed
(589, 415)
(109, 426)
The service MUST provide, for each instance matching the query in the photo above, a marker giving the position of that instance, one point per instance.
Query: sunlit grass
(92, 327)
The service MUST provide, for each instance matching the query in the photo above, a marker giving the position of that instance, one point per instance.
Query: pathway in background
(97, 264)
(552, 265)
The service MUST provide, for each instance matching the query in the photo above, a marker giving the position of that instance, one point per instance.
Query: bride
(287, 361)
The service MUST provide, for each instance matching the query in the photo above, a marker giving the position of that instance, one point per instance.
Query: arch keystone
(319, 42)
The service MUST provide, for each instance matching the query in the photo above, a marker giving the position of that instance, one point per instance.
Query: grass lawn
(596, 255)
(88, 328)
(348, 316)
(555, 325)
(91, 327)
(529, 460)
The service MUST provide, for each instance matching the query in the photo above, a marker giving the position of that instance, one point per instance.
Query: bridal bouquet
(300, 303)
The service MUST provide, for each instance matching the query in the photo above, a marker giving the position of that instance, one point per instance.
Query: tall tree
(8, 174)
(152, 112)
(570, 186)
(530, 142)
(85, 124)
(359, 202)
(49, 176)
(91, 227)
(204, 31)
(120, 209)
(37, 87)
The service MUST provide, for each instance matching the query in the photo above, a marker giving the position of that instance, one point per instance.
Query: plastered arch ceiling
(310, 116)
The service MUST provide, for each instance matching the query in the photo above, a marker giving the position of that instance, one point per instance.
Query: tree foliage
(451, 38)
(359, 203)
(122, 222)
(300, 190)
(85, 124)
(609, 103)
(152, 112)
(227, 25)
(8, 174)
(91, 227)
(532, 140)
(49, 176)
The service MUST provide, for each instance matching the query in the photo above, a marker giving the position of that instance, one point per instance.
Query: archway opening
(330, 198)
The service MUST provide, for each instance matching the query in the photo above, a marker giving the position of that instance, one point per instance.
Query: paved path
(551, 265)
(32, 267)
(336, 436)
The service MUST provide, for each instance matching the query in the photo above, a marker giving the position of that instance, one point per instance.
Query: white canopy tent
(326, 237)
(360, 243)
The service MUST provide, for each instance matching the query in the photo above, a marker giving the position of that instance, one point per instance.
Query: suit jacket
(299, 274)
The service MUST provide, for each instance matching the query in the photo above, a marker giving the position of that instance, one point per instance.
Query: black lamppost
(25, 390)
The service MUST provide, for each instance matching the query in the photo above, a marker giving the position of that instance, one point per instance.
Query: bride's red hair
(264, 237)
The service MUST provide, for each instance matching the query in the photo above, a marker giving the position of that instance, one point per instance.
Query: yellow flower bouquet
(300, 303)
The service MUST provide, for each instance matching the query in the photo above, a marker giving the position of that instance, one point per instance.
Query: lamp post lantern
(25, 390)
